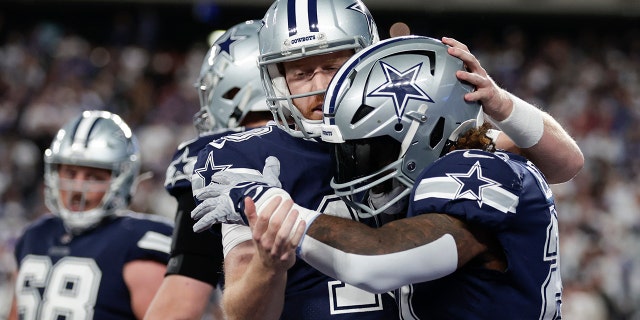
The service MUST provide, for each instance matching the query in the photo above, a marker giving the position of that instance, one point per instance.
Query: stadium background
(579, 60)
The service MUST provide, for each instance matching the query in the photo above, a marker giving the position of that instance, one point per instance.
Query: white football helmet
(391, 109)
(229, 84)
(96, 139)
(294, 29)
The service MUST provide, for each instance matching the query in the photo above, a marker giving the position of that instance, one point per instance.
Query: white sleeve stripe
(447, 188)
(155, 241)
(502, 200)
(442, 187)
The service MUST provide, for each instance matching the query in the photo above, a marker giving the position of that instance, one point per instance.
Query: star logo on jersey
(358, 6)
(401, 86)
(224, 45)
(472, 183)
(205, 173)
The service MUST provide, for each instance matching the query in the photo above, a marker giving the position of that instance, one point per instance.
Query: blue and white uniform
(80, 277)
(505, 195)
(306, 168)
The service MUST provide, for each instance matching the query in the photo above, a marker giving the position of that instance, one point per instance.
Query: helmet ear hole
(362, 111)
(437, 133)
(231, 93)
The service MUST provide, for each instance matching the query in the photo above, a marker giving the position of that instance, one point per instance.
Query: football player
(289, 36)
(231, 99)
(91, 259)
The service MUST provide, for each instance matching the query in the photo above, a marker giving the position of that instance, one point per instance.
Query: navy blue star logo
(401, 86)
(224, 45)
(359, 7)
(205, 173)
(472, 183)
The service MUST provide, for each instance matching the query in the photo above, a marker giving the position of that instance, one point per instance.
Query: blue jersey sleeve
(149, 237)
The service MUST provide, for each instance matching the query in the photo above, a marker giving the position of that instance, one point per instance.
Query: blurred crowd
(590, 82)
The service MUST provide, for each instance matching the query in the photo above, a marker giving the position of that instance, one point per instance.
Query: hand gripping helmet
(392, 108)
(229, 84)
(97, 139)
(294, 29)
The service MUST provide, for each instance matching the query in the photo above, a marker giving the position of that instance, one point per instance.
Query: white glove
(222, 201)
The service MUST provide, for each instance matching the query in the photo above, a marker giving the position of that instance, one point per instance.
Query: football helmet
(391, 108)
(294, 29)
(97, 139)
(229, 85)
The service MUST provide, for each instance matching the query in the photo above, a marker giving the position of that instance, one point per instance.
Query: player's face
(312, 74)
(82, 188)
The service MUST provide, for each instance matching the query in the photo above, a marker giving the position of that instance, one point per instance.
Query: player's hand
(222, 200)
(496, 102)
(276, 231)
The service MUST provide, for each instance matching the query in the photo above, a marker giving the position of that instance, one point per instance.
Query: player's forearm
(260, 291)
(425, 248)
(556, 154)
(180, 297)
(540, 138)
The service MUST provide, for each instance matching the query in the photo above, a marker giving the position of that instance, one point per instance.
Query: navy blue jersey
(188, 256)
(508, 197)
(80, 277)
(306, 168)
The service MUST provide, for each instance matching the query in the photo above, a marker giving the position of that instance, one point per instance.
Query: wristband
(524, 125)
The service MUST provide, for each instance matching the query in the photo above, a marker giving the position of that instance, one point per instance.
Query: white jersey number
(70, 288)
(551, 289)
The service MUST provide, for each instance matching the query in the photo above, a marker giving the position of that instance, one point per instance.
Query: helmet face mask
(82, 188)
(229, 84)
(401, 93)
(296, 29)
(101, 146)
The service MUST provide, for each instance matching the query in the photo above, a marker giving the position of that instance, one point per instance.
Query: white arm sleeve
(382, 273)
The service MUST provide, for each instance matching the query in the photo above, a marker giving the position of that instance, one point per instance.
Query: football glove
(223, 199)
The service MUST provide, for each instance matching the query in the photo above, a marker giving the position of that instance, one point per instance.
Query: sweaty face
(82, 188)
(313, 74)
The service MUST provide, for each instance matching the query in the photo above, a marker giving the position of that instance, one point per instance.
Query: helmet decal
(224, 45)
(401, 86)
(359, 7)
(310, 13)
